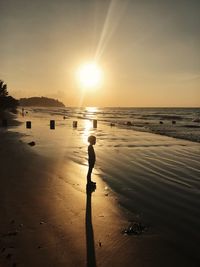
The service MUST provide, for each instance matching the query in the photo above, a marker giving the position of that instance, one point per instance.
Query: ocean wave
(174, 122)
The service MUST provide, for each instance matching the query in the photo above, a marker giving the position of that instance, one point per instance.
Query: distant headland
(40, 102)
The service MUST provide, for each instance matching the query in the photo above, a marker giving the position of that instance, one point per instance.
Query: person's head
(92, 140)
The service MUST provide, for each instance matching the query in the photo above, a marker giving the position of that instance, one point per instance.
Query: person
(91, 158)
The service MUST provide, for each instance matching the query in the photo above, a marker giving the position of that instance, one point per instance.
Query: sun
(90, 75)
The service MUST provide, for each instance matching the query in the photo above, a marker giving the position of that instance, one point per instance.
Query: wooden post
(28, 124)
(52, 124)
(94, 123)
(75, 124)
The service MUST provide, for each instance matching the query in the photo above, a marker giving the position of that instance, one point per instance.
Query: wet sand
(47, 219)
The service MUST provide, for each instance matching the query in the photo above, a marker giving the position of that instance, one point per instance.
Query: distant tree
(3, 89)
(6, 101)
(40, 102)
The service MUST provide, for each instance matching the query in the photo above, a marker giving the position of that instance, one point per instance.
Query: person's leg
(89, 174)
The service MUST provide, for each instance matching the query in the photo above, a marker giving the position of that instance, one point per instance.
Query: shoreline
(166, 129)
(153, 129)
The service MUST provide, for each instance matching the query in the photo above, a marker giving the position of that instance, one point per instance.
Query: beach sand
(47, 219)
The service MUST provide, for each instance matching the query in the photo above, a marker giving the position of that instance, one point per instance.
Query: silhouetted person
(91, 158)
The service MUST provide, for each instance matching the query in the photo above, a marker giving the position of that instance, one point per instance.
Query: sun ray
(112, 20)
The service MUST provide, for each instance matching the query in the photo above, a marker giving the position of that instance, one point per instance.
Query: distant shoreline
(40, 102)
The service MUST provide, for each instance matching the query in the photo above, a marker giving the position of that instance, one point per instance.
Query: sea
(183, 123)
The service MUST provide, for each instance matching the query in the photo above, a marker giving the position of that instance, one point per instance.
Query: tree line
(6, 101)
(40, 102)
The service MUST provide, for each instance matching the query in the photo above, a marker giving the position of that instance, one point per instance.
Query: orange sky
(148, 50)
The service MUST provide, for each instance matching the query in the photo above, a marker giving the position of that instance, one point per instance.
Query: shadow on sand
(91, 258)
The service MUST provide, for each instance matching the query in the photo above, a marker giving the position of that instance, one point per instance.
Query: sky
(148, 50)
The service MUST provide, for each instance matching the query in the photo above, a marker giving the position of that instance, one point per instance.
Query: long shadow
(91, 258)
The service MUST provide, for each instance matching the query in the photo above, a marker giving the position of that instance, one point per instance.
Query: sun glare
(90, 76)
(87, 130)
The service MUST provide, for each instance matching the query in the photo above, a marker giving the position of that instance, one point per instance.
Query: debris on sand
(14, 233)
(135, 228)
(31, 143)
(42, 222)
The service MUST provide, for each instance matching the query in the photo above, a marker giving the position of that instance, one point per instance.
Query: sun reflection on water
(87, 130)
(91, 113)
(91, 110)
